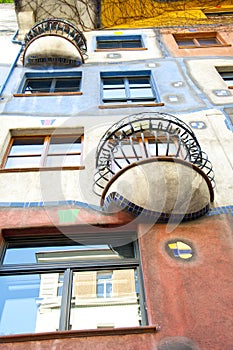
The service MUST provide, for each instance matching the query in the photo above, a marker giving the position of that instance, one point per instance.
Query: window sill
(48, 94)
(230, 87)
(22, 170)
(131, 105)
(202, 46)
(122, 49)
(77, 334)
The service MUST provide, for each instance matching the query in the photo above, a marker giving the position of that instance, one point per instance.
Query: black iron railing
(132, 138)
(60, 27)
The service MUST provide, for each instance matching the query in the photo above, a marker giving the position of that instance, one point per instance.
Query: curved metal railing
(60, 27)
(122, 138)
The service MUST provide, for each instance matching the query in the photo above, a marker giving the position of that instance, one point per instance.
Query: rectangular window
(49, 151)
(226, 74)
(59, 284)
(199, 40)
(128, 88)
(122, 42)
(219, 14)
(43, 84)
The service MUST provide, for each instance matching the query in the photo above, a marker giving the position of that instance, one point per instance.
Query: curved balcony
(151, 164)
(54, 42)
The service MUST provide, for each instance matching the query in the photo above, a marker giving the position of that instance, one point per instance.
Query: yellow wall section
(152, 13)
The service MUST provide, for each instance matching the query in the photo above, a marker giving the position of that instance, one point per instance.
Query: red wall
(188, 300)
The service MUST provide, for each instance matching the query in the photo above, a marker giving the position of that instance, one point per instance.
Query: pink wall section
(186, 299)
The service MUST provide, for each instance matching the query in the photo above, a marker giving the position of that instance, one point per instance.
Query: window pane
(63, 160)
(29, 303)
(107, 44)
(26, 149)
(70, 252)
(67, 84)
(185, 42)
(131, 44)
(37, 85)
(118, 307)
(22, 162)
(208, 41)
(63, 145)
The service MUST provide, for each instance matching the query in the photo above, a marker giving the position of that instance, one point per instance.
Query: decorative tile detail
(68, 215)
(116, 201)
(198, 125)
(221, 93)
(46, 122)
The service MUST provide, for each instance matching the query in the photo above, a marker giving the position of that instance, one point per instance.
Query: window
(219, 14)
(198, 40)
(47, 151)
(40, 84)
(55, 283)
(226, 74)
(123, 42)
(104, 285)
(128, 88)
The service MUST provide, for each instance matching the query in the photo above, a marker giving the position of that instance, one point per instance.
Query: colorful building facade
(116, 177)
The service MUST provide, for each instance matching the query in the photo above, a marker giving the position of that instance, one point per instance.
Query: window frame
(225, 70)
(120, 39)
(54, 77)
(28, 240)
(44, 153)
(119, 102)
(220, 42)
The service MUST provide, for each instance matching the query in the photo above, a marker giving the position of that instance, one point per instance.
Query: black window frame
(113, 238)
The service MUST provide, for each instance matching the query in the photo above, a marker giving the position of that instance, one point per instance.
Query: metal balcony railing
(58, 27)
(146, 135)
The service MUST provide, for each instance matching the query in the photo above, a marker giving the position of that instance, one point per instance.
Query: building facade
(116, 176)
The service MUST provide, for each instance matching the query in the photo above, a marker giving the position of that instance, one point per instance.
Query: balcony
(54, 42)
(151, 164)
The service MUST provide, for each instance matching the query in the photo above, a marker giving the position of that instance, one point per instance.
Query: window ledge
(230, 87)
(202, 46)
(77, 334)
(21, 170)
(130, 105)
(122, 49)
(48, 94)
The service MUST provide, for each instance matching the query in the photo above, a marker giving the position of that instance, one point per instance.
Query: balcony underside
(163, 188)
(52, 50)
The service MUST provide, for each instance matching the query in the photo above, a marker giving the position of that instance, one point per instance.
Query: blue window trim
(51, 75)
(122, 38)
(125, 74)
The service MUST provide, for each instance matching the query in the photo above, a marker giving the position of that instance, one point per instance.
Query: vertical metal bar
(64, 323)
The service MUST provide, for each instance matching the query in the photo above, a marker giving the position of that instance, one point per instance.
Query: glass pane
(185, 42)
(131, 44)
(117, 307)
(63, 160)
(29, 303)
(39, 253)
(37, 85)
(113, 83)
(64, 145)
(22, 162)
(107, 44)
(26, 149)
(67, 84)
(141, 93)
(114, 94)
(208, 41)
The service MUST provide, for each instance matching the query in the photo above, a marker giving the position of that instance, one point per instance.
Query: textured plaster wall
(191, 298)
